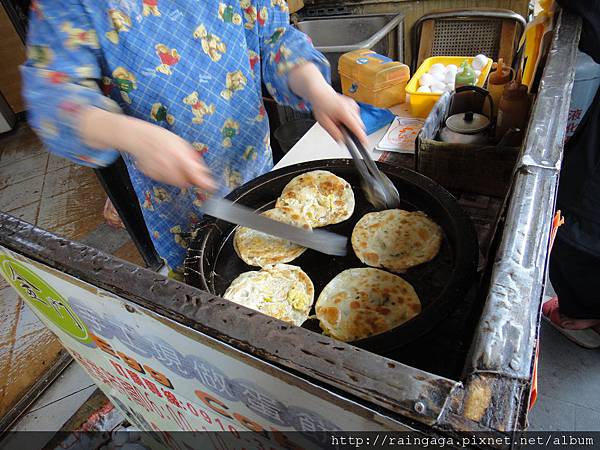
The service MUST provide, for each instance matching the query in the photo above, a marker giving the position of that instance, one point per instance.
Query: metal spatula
(378, 188)
(319, 240)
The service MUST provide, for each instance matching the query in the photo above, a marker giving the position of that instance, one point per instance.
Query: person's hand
(160, 154)
(332, 110)
(329, 108)
(167, 158)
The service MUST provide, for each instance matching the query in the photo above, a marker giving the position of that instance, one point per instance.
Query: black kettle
(466, 122)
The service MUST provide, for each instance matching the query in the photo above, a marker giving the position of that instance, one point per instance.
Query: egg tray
(441, 284)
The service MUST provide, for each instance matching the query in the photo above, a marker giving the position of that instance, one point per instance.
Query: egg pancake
(319, 196)
(281, 291)
(260, 249)
(363, 302)
(396, 239)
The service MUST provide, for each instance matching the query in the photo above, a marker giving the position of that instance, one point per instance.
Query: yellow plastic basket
(421, 103)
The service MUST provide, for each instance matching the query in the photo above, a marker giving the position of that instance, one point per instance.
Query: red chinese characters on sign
(154, 360)
(575, 116)
(132, 363)
(178, 416)
(116, 383)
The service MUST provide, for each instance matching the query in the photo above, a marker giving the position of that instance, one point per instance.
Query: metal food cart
(173, 357)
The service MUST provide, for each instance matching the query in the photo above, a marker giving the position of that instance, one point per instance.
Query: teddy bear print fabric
(192, 66)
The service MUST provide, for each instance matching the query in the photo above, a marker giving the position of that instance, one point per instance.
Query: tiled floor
(72, 387)
(27, 349)
(66, 199)
(568, 385)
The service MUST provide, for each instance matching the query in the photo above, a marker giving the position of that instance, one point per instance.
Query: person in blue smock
(175, 88)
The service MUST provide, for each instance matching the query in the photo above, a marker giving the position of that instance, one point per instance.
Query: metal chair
(467, 32)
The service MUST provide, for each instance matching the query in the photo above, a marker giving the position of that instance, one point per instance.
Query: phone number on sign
(182, 414)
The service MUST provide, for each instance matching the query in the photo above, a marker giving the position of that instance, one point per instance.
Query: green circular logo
(43, 298)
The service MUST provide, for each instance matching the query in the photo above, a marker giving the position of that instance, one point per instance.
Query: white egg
(426, 80)
(477, 74)
(450, 76)
(437, 71)
(437, 67)
(437, 87)
(452, 68)
(439, 76)
(479, 62)
(424, 89)
(449, 87)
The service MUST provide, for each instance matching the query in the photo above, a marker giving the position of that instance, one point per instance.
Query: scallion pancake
(364, 302)
(282, 291)
(260, 249)
(396, 239)
(321, 197)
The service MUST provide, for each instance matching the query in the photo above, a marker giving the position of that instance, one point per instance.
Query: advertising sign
(166, 377)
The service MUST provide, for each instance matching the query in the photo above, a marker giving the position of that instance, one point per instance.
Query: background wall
(12, 55)
(413, 10)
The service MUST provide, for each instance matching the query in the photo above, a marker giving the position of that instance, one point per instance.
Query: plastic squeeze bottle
(497, 82)
(513, 111)
(465, 75)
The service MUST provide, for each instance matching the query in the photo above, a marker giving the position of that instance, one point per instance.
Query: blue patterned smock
(191, 66)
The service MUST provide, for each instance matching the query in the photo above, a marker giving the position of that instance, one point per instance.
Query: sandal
(587, 338)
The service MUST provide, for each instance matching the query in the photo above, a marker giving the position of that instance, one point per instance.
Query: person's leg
(575, 276)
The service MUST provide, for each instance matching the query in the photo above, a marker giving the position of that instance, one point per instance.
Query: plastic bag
(374, 118)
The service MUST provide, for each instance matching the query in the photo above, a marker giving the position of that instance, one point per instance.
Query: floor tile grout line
(37, 217)
(43, 197)
(66, 162)
(30, 187)
(10, 211)
(50, 171)
(21, 179)
(60, 193)
(71, 222)
(71, 164)
(13, 332)
(2, 165)
(60, 399)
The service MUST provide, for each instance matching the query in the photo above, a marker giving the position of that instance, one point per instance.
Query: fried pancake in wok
(396, 239)
(282, 291)
(363, 302)
(260, 249)
(319, 196)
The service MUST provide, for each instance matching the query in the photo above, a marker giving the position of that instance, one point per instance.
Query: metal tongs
(378, 188)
